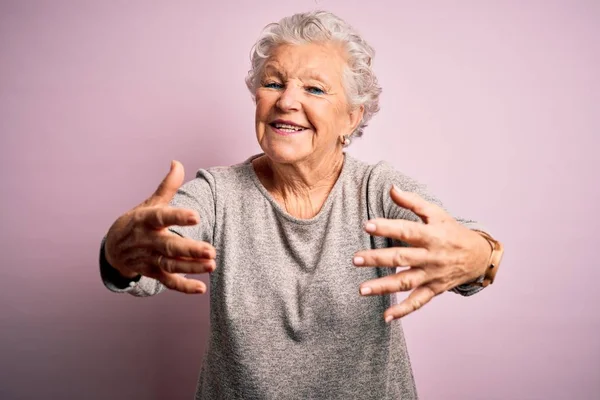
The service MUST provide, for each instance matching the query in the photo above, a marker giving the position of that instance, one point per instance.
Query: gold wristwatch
(494, 263)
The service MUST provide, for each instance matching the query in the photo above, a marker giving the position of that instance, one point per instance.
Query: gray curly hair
(360, 82)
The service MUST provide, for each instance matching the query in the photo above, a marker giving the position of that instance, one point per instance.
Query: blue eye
(273, 85)
(315, 90)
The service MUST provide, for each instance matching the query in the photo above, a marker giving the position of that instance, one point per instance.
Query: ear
(355, 116)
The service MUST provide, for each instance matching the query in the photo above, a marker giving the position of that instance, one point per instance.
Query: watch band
(494, 262)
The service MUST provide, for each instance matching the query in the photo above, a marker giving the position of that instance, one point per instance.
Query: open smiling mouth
(286, 129)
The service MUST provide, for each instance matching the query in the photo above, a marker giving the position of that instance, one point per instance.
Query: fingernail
(389, 319)
(396, 188)
(365, 291)
(359, 261)
(370, 227)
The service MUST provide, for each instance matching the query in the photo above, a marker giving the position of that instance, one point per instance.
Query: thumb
(169, 185)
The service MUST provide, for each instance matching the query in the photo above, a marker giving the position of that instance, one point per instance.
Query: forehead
(305, 60)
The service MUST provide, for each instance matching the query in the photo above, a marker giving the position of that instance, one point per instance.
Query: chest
(296, 279)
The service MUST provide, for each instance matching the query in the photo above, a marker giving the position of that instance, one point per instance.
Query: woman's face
(301, 106)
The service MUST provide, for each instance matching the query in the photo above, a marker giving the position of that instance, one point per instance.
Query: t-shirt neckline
(280, 210)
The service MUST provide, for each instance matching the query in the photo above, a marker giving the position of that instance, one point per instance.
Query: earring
(345, 140)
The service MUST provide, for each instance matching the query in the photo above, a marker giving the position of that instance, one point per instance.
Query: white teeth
(288, 127)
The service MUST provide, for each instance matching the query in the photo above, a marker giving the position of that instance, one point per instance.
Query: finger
(174, 265)
(400, 282)
(169, 185)
(414, 233)
(163, 217)
(417, 299)
(175, 246)
(180, 283)
(427, 211)
(393, 257)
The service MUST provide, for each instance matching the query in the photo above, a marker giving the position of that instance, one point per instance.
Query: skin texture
(303, 84)
(138, 242)
(444, 254)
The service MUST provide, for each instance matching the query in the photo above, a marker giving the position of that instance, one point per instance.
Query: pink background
(494, 104)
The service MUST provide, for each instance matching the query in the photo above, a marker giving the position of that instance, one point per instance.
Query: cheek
(325, 116)
(341, 117)
(264, 105)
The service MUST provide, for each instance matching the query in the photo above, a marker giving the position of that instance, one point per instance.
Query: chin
(286, 153)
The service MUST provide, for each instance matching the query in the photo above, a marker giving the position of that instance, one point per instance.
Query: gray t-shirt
(286, 319)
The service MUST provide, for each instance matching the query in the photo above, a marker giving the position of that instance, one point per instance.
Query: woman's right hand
(139, 243)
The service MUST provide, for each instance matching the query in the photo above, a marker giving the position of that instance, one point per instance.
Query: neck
(301, 188)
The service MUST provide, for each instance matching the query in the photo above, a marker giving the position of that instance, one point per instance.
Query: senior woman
(303, 240)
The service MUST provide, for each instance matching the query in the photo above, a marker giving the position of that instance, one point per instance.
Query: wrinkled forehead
(321, 61)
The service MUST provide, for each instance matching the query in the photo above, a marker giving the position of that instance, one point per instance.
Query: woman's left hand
(444, 254)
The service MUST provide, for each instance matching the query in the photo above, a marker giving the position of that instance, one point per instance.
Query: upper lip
(281, 121)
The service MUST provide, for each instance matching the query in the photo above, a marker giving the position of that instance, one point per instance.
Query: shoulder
(378, 181)
(211, 182)
(227, 175)
(382, 175)
(222, 176)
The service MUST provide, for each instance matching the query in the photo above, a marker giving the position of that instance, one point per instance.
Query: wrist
(487, 250)
(493, 262)
(124, 273)
(128, 274)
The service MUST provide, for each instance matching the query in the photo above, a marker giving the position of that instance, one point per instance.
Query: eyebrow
(315, 74)
(271, 69)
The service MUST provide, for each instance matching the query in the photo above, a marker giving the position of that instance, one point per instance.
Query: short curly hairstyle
(360, 82)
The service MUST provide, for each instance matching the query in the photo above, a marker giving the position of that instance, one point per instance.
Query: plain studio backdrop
(493, 104)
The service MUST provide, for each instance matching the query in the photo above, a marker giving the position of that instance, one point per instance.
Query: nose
(288, 99)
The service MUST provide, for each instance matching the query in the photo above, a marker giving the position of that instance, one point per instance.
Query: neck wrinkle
(301, 189)
(302, 181)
